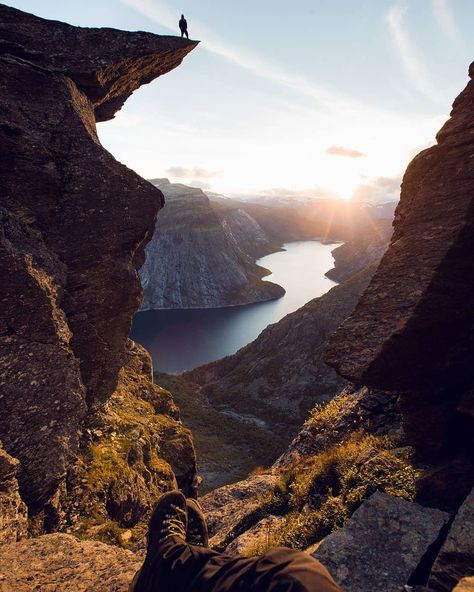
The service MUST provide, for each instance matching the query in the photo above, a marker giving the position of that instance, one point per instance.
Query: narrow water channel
(182, 339)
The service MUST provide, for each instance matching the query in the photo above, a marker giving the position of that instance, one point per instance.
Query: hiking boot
(169, 519)
(197, 527)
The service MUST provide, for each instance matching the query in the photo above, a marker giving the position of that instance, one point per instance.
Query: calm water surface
(183, 339)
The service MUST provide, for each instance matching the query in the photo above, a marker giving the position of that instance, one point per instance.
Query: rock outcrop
(61, 562)
(382, 545)
(456, 558)
(192, 262)
(132, 450)
(73, 226)
(374, 411)
(234, 509)
(412, 330)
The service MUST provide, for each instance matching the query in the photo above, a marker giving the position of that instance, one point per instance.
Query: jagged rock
(279, 376)
(233, 509)
(260, 533)
(191, 262)
(60, 562)
(456, 558)
(73, 226)
(382, 544)
(374, 411)
(13, 512)
(134, 448)
(465, 585)
(412, 330)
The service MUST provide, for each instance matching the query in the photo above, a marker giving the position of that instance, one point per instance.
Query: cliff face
(73, 226)
(192, 262)
(412, 330)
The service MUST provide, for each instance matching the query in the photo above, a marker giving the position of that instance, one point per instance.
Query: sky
(309, 98)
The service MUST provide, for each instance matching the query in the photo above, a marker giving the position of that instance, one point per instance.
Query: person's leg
(173, 564)
(181, 567)
(187, 33)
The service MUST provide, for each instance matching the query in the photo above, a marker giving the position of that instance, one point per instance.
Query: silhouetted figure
(183, 25)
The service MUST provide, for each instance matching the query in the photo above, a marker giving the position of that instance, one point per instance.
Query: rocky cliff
(412, 330)
(378, 483)
(73, 226)
(192, 261)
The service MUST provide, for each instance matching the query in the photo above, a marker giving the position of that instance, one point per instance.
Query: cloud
(192, 173)
(411, 62)
(341, 151)
(160, 13)
(447, 23)
(380, 189)
(316, 192)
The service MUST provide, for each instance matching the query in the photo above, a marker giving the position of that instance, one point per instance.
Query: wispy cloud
(347, 152)
(447, 23)
(160, 13)
(192, 172)
(412, 64)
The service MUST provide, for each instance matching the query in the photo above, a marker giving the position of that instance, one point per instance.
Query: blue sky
(312, 97)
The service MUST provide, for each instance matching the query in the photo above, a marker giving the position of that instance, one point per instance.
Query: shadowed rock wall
(412, 330)
(73, 226)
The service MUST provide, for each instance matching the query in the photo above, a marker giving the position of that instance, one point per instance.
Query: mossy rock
(133, 449)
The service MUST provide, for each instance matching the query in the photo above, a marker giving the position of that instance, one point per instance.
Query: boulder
(456, 558)
(382, 545)
(233, 509)
(60, 562)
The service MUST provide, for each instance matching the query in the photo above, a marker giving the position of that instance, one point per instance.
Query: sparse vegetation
(320, 492)
(127, 462)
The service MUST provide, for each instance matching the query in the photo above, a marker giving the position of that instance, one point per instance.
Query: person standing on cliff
(183, 26)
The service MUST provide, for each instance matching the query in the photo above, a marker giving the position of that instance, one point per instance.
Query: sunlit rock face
(193, 262)
(73, 226)
(412, 330)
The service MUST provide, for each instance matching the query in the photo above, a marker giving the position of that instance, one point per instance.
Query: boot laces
(174, 524)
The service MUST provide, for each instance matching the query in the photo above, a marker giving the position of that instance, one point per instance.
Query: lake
(183, 339)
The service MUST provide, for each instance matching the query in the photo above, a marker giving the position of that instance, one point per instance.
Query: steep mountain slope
(73, 226)
(191, 262)
(361, 250)
(280, 375)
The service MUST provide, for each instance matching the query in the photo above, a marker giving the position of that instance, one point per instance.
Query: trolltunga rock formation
(73, 226)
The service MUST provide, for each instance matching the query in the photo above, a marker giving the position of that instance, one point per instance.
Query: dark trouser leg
(180, 567)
